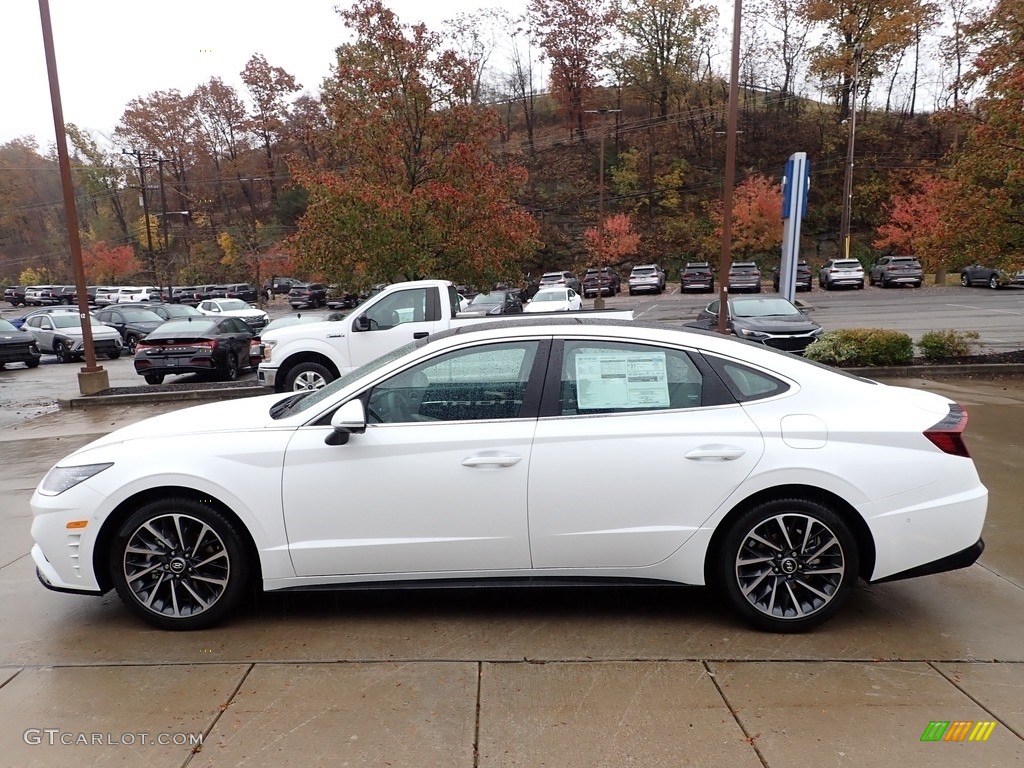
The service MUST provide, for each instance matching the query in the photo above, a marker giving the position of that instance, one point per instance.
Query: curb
(145, 398)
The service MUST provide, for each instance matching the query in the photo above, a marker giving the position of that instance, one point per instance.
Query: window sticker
(617, 379)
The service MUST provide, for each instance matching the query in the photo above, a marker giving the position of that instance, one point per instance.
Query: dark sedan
(774, 322)
(17, 346)
(494, 303)
(218, 346)
(133, 323)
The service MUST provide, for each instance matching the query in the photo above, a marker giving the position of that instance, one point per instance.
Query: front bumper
(267, 377)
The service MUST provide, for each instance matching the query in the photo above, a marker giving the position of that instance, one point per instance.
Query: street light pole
(844, 226)
(730, 172)
(599, 296)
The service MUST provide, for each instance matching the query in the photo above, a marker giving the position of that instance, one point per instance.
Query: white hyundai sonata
(777, 480)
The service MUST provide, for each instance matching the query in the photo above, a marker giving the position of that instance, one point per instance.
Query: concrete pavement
(660, 677)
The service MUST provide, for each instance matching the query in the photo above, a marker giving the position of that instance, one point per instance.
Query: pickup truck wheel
(308, 376)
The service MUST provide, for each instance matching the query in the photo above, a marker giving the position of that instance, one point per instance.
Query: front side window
(398, 308)
(479, 383)
(619, 377)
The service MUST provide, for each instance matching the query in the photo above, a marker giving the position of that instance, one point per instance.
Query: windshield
(68, 320)
(6, 326)
(641, 271)
(763, 308)
(230, 305)
(550, 296)
(181, 310)
(488, 298)
(141, 316)
(311, 397)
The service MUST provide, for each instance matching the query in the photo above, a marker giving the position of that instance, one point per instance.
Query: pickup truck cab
(310, 355)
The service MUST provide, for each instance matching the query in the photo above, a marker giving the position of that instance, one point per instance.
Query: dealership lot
(490, 678)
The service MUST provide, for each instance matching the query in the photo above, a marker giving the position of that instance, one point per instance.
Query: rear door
(635, 448)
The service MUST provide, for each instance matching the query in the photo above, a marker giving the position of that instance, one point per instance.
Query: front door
(397, 319)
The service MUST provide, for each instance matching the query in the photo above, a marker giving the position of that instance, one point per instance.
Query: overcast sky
(112, 51)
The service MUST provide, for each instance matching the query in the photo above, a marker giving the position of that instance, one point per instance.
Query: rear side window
(745, 383)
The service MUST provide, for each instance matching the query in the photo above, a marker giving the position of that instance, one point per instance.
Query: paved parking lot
(659, 677)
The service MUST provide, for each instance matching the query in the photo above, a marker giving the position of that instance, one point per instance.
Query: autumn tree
(105, 263)
(787, 30)
(883, 28)
(420, 191)
(756, 216)
(572, 34)
(269, 88)
(661, 44)
(613, 240)
(224, 138)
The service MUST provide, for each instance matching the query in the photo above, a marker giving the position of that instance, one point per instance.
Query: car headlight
(746, 332)
(268, 349)
(60, 479)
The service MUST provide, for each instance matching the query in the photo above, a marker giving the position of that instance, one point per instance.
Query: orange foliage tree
(421, 191)
(109, 264)
(612, 240)
(757, 216)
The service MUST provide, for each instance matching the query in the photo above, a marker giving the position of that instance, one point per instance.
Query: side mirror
(362, 323)
(347, 420)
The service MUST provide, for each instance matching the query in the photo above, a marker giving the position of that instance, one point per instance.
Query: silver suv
(839, 273)
(646, 277)
(896, 270)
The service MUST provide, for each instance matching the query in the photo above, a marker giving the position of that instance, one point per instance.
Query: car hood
(98, 332)
(782, 324)
(246, 413)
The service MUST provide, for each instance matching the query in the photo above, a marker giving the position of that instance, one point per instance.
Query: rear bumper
(961, 559)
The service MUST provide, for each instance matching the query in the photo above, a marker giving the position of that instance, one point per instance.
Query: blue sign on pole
(796, 182)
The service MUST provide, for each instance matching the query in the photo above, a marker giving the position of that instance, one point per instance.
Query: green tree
(421, 192)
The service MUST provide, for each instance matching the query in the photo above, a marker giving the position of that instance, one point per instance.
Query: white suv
(646, 277)
(838, 273)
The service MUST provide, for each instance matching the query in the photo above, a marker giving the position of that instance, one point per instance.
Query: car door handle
(491, 461)
(421, 334)
(714, 453)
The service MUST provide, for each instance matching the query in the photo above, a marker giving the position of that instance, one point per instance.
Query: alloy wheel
(790, 566)
(176, 565)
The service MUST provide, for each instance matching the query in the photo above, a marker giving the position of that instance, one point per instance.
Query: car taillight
(948, 434)
(210, 344)
(143, 347)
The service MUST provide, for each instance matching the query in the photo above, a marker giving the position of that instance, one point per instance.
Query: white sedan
(554, 300)
(255, 318)
(778, 480)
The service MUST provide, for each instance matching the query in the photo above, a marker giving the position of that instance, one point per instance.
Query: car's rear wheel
(963, 280)
(60, 349)
(179, 564)
(788, 565)
(993, 281)
(114, 355)
(230, 372)
(308, 376)
(154, 378)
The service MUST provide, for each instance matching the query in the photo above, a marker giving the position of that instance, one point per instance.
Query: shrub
(936, 345)
(862, 347)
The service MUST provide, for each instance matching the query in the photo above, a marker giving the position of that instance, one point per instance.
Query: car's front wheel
(993, 281)
(787, 565)
(308, 376)
(60, 349)
(963, 280)
(131, 341)
(179, 564)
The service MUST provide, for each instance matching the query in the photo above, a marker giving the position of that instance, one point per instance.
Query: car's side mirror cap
(347, 420)
(362, 323)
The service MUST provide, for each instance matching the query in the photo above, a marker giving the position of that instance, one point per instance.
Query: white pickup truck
(309, 355)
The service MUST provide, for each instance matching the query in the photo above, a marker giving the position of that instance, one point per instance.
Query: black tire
(307, 376)
(810, 566)
(32, 363)
(632, 292)
(60, 349)
(993, 281)
(230, 372)
(65, 301)
(131, 341)
(114, 355)
(154, 378)
(195, 568)
(828, 285)
(860, 286)
(964, 281)
(883, 282)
